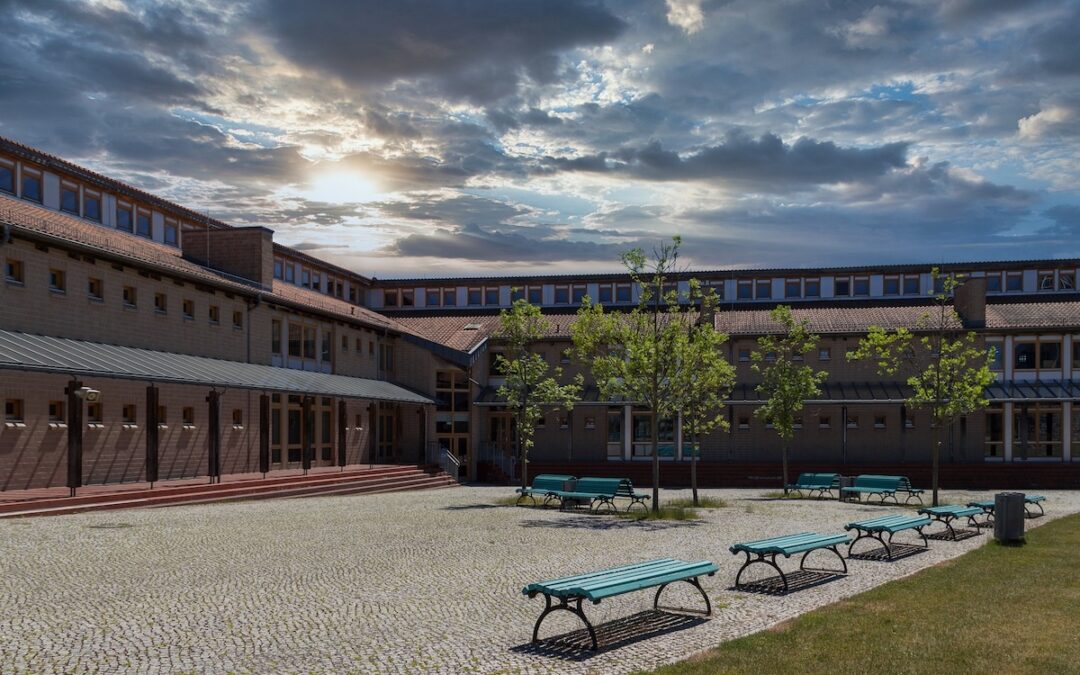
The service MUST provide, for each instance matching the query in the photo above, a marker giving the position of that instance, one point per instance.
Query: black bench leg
(871, 535)
(925, 541)
(564, 604)
(761, 559)
(802, 564)
(639, 502)
(1028, 513)
(693, 582)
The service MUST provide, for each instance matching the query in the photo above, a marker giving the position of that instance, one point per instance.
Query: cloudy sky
(449, 137)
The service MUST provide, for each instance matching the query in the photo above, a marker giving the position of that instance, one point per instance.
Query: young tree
(528, 388)
(632, 355)
(786, 381)
(703, 377)
(950, 370)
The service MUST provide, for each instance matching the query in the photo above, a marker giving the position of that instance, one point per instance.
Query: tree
(950, 370)
(632, 355)
(528, 388)
(786, 381)
(703, 377)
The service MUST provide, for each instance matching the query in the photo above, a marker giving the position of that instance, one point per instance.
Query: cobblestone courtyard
(399, 583)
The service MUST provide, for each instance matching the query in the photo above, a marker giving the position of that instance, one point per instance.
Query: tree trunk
(783, 457)
(655, 474)
(935, 451)
(521, 456)
(693, 471)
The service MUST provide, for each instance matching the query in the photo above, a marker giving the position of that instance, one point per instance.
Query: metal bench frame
(878, 534)
(811, 489)
(947, 519)
(769, 558)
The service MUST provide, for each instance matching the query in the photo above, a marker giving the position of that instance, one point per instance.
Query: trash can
(1009, 517)
(846, 481)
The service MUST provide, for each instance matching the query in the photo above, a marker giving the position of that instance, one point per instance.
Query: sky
(456, 138)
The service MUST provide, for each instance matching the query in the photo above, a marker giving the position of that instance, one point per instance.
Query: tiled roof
(823, 320)
(1033, 315)
(465, 332)
(309, 298)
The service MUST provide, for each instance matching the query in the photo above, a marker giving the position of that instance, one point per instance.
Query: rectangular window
(13, 410)
(31, 185)
(879, 421)
(305, 277)
(187, 416)
(129, 297)
(359, 345)
(1046, 280)
(892, 286)
(824, 354)
(433, 297)
(57, 281)
(853, 422)
(93, 413)
(290, 273)
(995, 349)
(279, 269)
(562, 295)
(475, 296)
(125, 219)
(238, 418)
(161, 303)
(793, 288)
(407, 297)
(172, 233)
(387, 354)
(824, 422)
(605, 294)
(536, 295)
(129, 414)
(327, 346)
(517, 293)
(309, 342)
(69, 198)
(1066, 280)
(143, 224)
(1014, 282)
(861, 286)
(188, 308)
(7, 176)
(744, 423)
(316, 283)
(994, 438)
(449, 297)
(163, 416)
(491, 297)
(295, 339)
(238, 320)
(745, 289)
(214, 314)
(578, 293)
(912, 284)
(623, 293)
(390, 299)
(344, 343)
(275, 336)
(13, 271)
(744, 356)
(95, 289)
(764, 289)
(92, 206)
(812, 288)
(993, 282)
(842, 287)
(56, 411)
(1049, 355)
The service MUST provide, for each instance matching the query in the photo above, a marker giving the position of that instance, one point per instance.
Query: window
(744, 355)
(143, 224)
(129, 296)
(31, 185)
(562, 295)
(237, 418)
(93, 413)
(129, 414)
(744, 422)
(188, 309)
(13, 271)
(861, 286)
(295, 339)
(407, 296)
(796, 423)
(187, 416)
(491, 296)
(853, 422)
(623, 293)
(275, 336)
(1046, 281)
(449, 297)
(476, 296)
(161, 303)
(7, 176)
(1049, 355)
(390, 299)
(1037, 430)
(824, 354)
(279, 269)
(56, 411)
(386, 353)
(327, 346)
(95, 289)
(13, 410)
(745, 290)
(309, 342)
(824, 422)
(1014, 281)
(316, 283)
(163, 416)
(1037, 355)
(578, 293)
(770, 356)
(290, 273)
(57, 281)
(92, 206)
(433, 297)
(892, 285)
(842, 287)
(913, 284)
(517, 293)
(812, 288)
(1066, 280)
(172, 232)
(305, 277)
(764, 289)
(344, 343)
(996, 350)
(614, 433)
(238, 319)
(879, 421)
(604, 293)
(793, 288)
(371, 350)
(359, 345)
(993, 282)
(69, 198)
(125, 220)
(215, 314)
(909, 421)
(994, 437)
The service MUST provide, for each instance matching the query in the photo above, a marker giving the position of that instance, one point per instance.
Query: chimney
(245, 252)
(969, 300)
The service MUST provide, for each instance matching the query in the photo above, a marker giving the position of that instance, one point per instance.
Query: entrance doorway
(288, 427)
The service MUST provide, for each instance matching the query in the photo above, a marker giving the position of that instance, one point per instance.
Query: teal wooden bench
(600, 493)
(570, 592)
(877, 528)
(947, 514)
(545, 484)
(987, 506)
(821, 483)
(885, 487)
(626, 490)
(806, 543)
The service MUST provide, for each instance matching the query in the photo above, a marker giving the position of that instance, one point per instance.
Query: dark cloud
(475, 243)
(476, 51)
(1065, 217)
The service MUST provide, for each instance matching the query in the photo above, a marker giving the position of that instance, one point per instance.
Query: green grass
(703, 503)
(666, 512)
(998, 609)
(779, 494)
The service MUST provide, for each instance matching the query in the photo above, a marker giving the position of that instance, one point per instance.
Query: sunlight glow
(340, 187)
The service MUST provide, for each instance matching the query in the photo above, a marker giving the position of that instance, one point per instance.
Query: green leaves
(786, 382)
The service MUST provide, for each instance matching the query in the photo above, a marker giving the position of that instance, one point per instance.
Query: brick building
(216, 349)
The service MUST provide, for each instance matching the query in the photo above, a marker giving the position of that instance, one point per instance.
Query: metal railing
(505, 459)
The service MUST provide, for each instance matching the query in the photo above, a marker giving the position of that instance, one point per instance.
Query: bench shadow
(800, 580)
(576, 646)
(900, 551)
(592, 522)
(961, 535)
(473, 507)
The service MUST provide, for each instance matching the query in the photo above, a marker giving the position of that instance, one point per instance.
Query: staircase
(351, 481)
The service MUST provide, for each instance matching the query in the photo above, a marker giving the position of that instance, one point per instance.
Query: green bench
(951, 512)
(987, 506)
(877, 528)
(545, 484)
(821, 483)
(1034, 500)
(598, 492)
(884, 486)
(626, 490)
(570, 592)
(766, 551)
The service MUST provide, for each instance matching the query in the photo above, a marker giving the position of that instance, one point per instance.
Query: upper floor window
(390, 298)
(290, 273)
(1037, 355)
(996, 351)
(475, 296)
(578, 293)
(861, 286)
(13, 410)
(517, 293)
(793, 288)
(1066, 280)
(812, 288)
(215, 314)
(125, 220)
(764, 289)
(605, 293)
(275, 336)
(891, 285)
(57, 281)
(623, 293)
(449, 298)
(491, 296)
(129, 296)
(92, 205)
(13, 271)
(143, 224)
(31, 184)
(305, 277)
(993, 282)
(433, 297)
(912, 284)
(172, 232)
(69, 198)
(536, 295)
(562, 295)
(188, 308)
(1014, 281)
(7, 176)
(238, 319)
(744, 290)
(161, 303)
(94, 289)
(279, 269)
(407, 297)
(1046, 281)
(842, 287)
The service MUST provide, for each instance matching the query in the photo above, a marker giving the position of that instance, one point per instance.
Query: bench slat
(797, 543)
(893, 523)
(618, 580)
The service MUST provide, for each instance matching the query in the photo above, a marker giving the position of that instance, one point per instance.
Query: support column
(308, 428)
(152, 435)
(342, 427)
(264, 434)
(213, 438)
(1066, 431)
(373, 420)
(843, 434)
(75, 436)
(1007, 430)
(628, 433)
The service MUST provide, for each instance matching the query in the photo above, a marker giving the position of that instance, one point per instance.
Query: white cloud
(686, 14)
(1053, 120)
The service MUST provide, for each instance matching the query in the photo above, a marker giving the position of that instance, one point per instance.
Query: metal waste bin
(1009, 517)
(846, 481)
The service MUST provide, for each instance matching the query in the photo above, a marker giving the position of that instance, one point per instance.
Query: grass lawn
(942, 620)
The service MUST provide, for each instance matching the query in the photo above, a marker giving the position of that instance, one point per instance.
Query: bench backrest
(878, 482)
(550, 481)
(819, 479)
(598, 486)
(625, 489)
